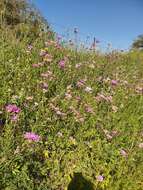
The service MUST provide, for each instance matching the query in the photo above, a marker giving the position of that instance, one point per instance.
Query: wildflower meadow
(68, 117)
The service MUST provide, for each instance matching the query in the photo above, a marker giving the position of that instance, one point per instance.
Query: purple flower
(114, 82)
(80, 83)
(44, 85)
(58, 39)
(62, 64)
(88, 109)
(31, 136)
(100, 178)
(12, 108)
(30, 47)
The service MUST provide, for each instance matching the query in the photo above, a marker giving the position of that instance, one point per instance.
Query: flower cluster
(31, 136)
(13, 110)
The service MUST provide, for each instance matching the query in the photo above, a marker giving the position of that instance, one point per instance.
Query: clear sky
(111, 21)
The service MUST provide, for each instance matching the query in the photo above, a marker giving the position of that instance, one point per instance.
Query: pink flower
(29, 48)
(31, 136)
(100, 178)
(114, 133)
(114, 82)
(88, 109)
(44, 85)
(62, 64)
(78, 98)
(14, 117)
(80, 83)
(123, 153)
(12, 108)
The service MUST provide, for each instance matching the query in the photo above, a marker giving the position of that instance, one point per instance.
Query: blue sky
(111, 21)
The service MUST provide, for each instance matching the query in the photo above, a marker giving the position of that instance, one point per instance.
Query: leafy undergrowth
(63, 113)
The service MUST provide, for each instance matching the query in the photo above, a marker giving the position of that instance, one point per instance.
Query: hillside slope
(63, 112)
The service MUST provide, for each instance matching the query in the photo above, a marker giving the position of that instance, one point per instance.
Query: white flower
(88, 89)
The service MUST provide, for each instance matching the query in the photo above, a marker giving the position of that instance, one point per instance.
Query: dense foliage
(23, 18)
(68, 120)
(138, 43)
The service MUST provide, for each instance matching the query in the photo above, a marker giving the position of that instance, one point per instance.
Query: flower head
(114, 82)
(62, 64)
(88, 89)
(14, 117)
(44, 85)
(29, 48)
(31, 136)
(88, 109)
(100, 178)
(123, 153)
(12, 108)
(80, 83)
